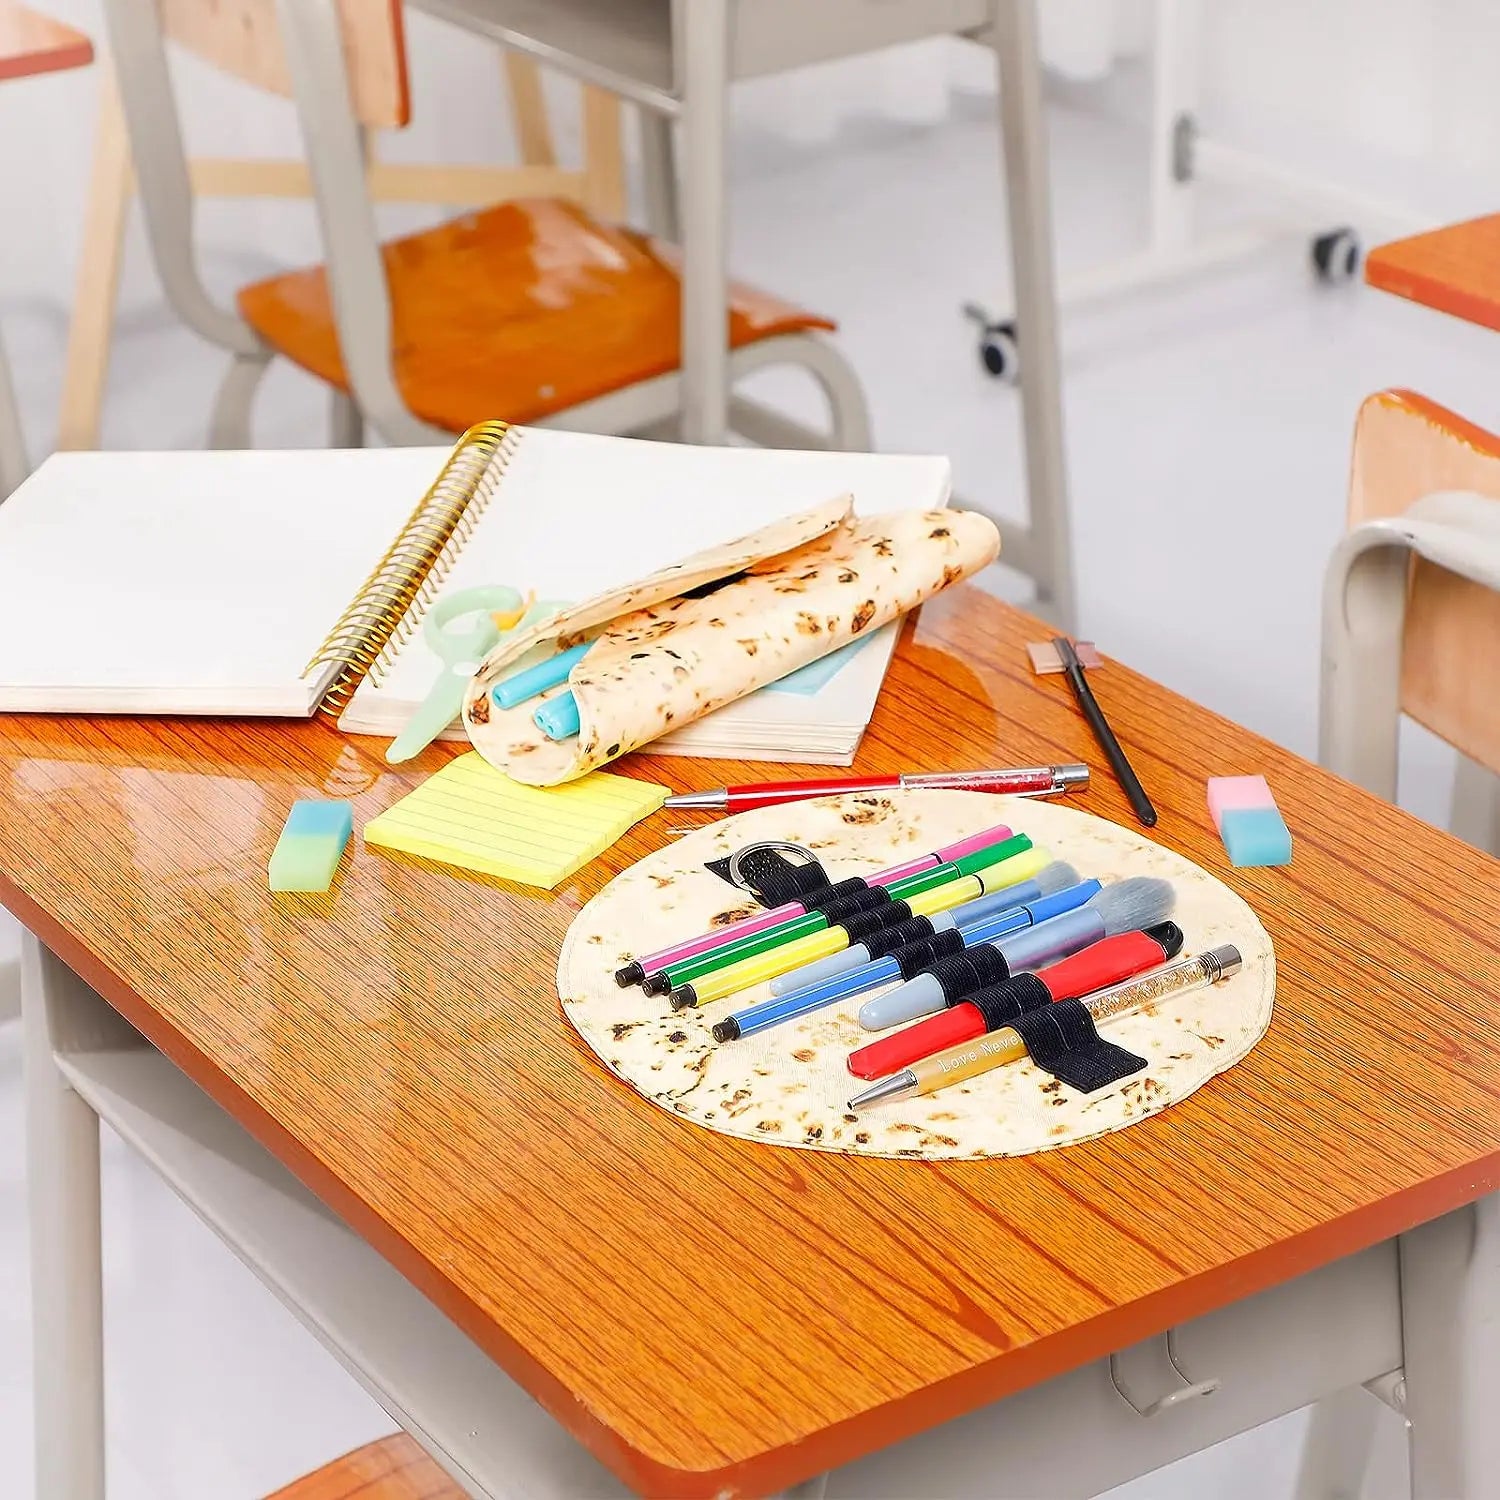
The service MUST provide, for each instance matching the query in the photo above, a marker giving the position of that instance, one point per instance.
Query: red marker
(1106, 962)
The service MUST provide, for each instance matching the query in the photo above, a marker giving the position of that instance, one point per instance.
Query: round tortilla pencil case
(710, 629)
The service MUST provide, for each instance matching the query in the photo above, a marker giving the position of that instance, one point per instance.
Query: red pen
(1028, 781)
(1104, 963)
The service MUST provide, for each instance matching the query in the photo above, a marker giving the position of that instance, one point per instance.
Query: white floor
(1208, 437)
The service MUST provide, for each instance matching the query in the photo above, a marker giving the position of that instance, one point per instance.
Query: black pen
(1124, 771)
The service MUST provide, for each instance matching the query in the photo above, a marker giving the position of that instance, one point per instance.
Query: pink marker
(636, 971)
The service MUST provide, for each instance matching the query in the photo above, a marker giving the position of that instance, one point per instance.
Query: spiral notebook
(282, 583)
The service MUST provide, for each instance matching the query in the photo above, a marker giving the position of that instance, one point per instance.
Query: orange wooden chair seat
(392, 1468)
(518, 311)
(1455, 270)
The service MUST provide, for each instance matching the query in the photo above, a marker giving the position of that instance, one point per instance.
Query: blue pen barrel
(532, 682)
(803, 1002)
(558, 718)
(857, 955)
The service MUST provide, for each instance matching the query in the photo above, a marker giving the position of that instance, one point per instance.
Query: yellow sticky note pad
(471, 815)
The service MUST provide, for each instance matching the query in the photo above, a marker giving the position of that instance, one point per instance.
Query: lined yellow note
(471, 815)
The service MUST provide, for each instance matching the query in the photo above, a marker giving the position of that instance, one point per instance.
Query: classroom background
(1208, 431)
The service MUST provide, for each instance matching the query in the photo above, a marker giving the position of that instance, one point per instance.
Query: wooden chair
(1412, 603)
(391, 1468)
(598, 183)
(30, 43)
(531, 310)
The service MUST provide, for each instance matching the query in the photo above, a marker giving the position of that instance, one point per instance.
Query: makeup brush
(970, 1059)
(1093, 968)
(1057, 876)
(1124, 906)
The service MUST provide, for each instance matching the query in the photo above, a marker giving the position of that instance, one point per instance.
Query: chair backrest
(243, 38)
(1406, 447)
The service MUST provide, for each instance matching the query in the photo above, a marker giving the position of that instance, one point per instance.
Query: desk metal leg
(1450, 1329)
(1048, 558)
(705, 274)
(67, 1296)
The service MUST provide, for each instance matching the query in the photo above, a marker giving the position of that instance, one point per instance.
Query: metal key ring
(808, 857)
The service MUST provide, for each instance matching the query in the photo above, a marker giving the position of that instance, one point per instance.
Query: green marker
(815, 921)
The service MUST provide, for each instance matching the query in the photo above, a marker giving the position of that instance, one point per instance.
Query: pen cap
(1111, 960)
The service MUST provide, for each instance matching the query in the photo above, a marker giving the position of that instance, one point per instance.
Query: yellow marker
(805, 950)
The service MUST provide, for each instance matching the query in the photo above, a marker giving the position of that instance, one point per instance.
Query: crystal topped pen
(970, 1059)
(1028, 781)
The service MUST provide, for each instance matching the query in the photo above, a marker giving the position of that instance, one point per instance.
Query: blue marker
(914, 957)
(533, 681)
(1054, 877)
(557, 718)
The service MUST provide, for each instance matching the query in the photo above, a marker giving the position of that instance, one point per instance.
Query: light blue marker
(533, 681)
(1055, 877)
(558, 718)
(813, 997)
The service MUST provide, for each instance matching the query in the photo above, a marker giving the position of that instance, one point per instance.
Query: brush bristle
(1129, 905)
(1057, 876)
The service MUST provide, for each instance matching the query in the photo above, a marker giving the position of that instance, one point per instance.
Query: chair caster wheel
(1336, 256)
(999, 348)
(1000, 353)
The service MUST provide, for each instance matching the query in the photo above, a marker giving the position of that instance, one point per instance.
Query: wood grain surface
(527, 308)
(1455, 269)
(32, 43)
(711, 1316)
(390, 1468)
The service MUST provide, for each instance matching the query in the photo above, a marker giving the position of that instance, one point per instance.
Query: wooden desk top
(1455, 270)
(399, 1045)
(32, 43)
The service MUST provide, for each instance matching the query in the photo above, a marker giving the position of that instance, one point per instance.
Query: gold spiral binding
(390, 603)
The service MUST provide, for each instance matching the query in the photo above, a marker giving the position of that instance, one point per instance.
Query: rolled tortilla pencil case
(719, 625)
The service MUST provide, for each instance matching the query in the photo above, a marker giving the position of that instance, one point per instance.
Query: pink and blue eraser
(311, 844)
(1249, 822)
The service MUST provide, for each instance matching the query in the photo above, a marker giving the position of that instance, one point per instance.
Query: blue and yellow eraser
(1249, 822)
(311, 844)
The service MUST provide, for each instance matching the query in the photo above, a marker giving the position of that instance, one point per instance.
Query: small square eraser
(311, 844)
(1249, 822)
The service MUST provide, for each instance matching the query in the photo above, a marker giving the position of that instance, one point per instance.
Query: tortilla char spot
(1053, 1087)
(736, 914)
(613, 749)
(677, 1036)
(904, 1126)
(862, 616)
(882, 546)
(622, 1029)
(717, 623)
(597, 937)
(939, 532)
(815, 1132)
(945, 1115)
(833, 623)
(862, 1137)
(1058, 1130)
(851, 1119)
(848, 575)
(750, 647)
(479, 710)
(933, 1139)
(768, 1127)
(663, 881)
(639, 655)
(805, 1054)
(951, 575)
(808, 624)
